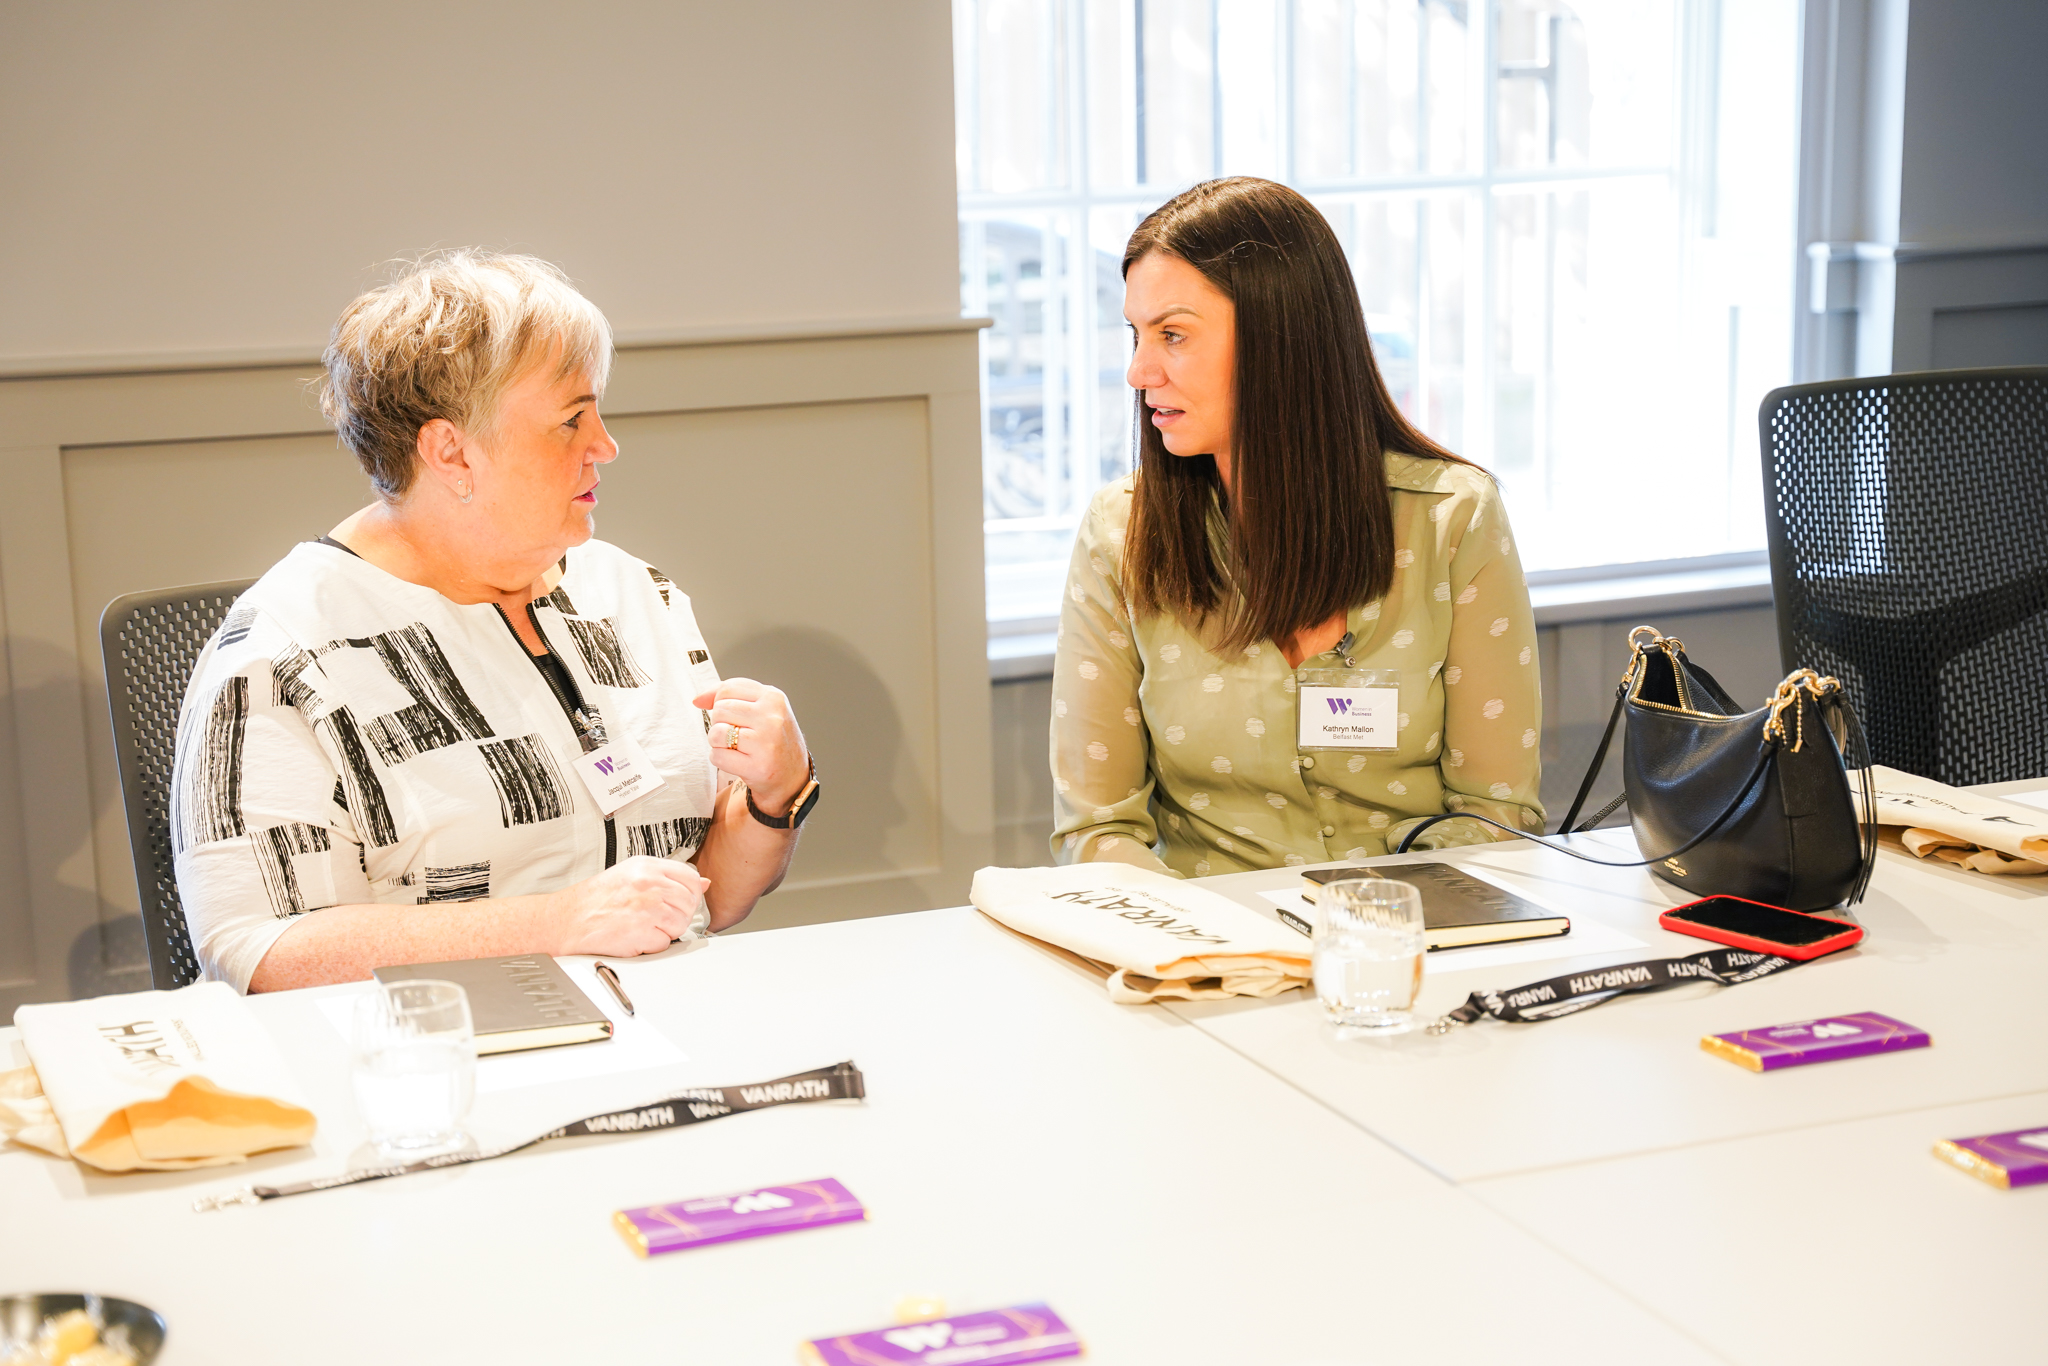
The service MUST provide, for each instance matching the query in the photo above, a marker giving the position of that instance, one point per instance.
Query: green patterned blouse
(1166, 755)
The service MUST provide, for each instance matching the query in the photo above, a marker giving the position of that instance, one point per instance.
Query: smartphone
(1759, 928)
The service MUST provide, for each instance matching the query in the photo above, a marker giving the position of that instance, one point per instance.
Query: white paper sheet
(2037, 799)
(1587, 937)
(635, 1044)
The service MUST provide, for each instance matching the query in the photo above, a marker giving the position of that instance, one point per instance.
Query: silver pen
(611, 980)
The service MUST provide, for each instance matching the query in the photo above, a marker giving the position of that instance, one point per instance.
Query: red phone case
(1675, 921)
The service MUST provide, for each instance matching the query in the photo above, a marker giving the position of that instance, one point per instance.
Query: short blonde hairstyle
(445, 339)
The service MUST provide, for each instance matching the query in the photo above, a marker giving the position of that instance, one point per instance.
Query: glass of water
(1368, 954)
(414, 1067)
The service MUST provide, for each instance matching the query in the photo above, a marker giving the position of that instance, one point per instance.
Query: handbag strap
(1763, 761)
(1564, 827)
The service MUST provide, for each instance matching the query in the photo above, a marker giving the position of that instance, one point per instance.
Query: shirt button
(1329, 830)
(1308, 761)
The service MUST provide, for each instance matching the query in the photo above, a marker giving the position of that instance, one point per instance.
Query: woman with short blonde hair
(457, 726)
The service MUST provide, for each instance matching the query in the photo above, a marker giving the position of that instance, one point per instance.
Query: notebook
(517, 1003)
(1458, 910)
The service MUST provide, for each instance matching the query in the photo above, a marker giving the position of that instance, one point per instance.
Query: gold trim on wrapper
(1735, 1053)
(1977, 1165)
(630, 1231)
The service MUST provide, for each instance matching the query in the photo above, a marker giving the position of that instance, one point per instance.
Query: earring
(462, 492)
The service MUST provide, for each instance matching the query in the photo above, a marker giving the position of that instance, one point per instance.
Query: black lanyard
(1578, 991)
(841, 1081)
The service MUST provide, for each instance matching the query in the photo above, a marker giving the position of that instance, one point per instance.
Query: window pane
(1357, 76)
(1115, 407)
(1112, 93)
(1248, 58)
(1019, 102)
(1446, 314)
(1011, 259)
(1562, 297)
(1591, 83)
(1177, 104)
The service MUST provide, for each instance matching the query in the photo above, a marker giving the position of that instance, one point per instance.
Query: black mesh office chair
(1908, 523)
(150, 642)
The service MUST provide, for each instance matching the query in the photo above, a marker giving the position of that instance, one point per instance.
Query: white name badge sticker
(1349, 709)
(619, 773)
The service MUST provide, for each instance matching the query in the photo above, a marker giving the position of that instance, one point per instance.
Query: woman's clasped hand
(642, 905)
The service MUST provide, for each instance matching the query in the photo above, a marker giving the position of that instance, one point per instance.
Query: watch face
(803, 807)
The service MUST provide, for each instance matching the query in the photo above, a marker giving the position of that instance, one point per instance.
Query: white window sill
(1018, 650)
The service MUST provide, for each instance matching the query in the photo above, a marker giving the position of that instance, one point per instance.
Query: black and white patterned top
(349, 737)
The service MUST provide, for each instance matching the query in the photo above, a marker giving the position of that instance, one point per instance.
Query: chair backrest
(150, 642)
(1908, 524)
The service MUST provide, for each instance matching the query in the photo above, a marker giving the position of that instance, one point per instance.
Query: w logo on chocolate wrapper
(760, 1200)
(1834, 1029)
(922, 1337)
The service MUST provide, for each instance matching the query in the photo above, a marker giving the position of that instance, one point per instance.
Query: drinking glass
(414, 1067)
(1368, 954)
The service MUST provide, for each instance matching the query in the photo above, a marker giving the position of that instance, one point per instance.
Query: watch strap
(806, 798)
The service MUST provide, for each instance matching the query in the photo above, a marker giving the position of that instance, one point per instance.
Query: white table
(1791, 1216)
(1023, 1139)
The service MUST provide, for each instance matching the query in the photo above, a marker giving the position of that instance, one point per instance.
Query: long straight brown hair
(1311, 526)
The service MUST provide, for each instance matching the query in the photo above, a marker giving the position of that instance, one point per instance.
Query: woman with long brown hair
(1288, 538)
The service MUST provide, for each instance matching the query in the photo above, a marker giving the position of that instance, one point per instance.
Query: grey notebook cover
(1459, 910)
(518, 1002)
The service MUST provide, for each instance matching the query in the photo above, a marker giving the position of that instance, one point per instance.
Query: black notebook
(1458, 910)
(521, 1002)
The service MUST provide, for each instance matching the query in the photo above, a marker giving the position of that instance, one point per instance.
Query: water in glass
(1369, 950)
(415, 1066)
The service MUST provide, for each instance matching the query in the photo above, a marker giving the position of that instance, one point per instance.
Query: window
(1572, 226)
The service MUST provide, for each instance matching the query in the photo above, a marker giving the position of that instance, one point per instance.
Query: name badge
(1349, 709)
(618, 773)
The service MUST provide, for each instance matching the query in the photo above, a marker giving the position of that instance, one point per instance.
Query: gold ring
(732, 736)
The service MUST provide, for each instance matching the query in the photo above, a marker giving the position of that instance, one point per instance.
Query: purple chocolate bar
(749, 1214)
(995, 1337)
(2017, 1158)
(1824, 1040)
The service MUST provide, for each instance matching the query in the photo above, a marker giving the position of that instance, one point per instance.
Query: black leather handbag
(1751, 804)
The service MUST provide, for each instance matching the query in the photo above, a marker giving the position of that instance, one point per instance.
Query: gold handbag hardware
(1798, 681)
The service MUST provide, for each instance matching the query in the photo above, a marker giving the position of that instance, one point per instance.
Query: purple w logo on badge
(605, 766)
(1339, 705)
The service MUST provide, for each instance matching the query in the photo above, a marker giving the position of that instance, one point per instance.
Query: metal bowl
(123, 1323)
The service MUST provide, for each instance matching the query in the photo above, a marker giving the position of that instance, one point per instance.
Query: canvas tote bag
(152, 1081)
(1155, 936)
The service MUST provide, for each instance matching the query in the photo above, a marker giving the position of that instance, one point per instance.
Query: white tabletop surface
(1024, 1139)
(1961, 955)
(1843, 1242)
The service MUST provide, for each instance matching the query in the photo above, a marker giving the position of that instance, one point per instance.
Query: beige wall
(194, 177)
(760, 193)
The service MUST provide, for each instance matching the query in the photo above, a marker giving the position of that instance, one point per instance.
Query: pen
(611, 980)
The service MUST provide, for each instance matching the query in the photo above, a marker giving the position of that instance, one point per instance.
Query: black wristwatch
(798, 809)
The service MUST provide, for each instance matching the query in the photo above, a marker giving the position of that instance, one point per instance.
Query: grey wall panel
(838, 615)
(2008, 334)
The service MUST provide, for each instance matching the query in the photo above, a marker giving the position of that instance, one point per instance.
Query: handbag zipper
(573, 707)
